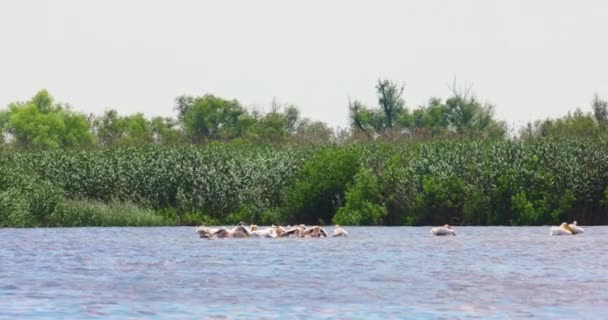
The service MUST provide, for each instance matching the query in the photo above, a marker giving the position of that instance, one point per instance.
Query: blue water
(377, 273)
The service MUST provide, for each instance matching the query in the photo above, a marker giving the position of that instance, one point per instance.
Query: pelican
(446, 230)
(263, 233)
(297, 231)
(563, 229)
(236, 232)
(314, 232)
(278, 231)
(206, 232)
(575, 228)
(339, 232)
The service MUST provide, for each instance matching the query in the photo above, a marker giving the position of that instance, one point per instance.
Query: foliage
(461, 115)
(319, 186)
(519, 182)
(40, 124)
(79, 213)
(217, 162)
(363, 204)
(210, 118)
(26, 200)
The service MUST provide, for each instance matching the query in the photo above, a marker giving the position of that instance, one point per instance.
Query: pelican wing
(323, 232)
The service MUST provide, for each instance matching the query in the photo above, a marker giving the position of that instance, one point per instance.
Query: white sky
(531, 58)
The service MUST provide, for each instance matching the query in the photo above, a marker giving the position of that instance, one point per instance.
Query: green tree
(467, 116)
(108, 128)
(4, 118)
(319, 186)
(138, 130)
(573, 124)
(390, 111)
(115, 130)
(313, 132)
(363, 202)
(40, 123)
(600, 110)
(461, 114)
(210, 118)
(165, 131)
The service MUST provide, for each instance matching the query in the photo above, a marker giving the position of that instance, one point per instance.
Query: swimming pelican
(575, 228)
(278, 231)
(262, 233)
(297, 231)
(236, 232)
(206, 232)
(314, 232)
(446, 230)
(339, 232)
(563, 229)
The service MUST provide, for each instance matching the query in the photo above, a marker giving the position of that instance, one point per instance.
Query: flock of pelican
(563, 229)
(240, 231)
(302, 231)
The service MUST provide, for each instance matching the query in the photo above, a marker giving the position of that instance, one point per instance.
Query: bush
(363, 202)
(319, 186)
(27, 201)
(533, 181)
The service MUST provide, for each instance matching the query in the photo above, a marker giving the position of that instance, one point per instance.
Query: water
(377, 273)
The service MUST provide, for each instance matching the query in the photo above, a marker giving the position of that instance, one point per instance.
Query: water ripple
(377, 273)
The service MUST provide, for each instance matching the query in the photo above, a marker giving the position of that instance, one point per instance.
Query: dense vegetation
(447, 162)
(473, 182)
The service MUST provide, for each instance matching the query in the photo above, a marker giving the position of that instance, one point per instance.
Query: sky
(532, 59)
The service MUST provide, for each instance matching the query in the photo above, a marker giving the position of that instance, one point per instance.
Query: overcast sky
(531, 58)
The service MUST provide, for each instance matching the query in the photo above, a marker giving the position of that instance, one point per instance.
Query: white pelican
(263, 233)
(297, 231)
(206, 232)
(563, 229)
(446, 230)
(314, 232)
(339, 232)
(278, 231)
(575, 228)
(236, 232)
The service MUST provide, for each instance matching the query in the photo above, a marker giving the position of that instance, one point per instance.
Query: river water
(376, 273)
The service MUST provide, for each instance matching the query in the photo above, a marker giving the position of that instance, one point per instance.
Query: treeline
(543, 181)
(42, 124)
(218, 163)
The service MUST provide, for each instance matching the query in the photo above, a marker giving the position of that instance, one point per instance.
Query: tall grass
(82, 213)
(532, 182)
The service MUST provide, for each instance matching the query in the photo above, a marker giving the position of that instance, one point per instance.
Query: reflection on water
(383, 272)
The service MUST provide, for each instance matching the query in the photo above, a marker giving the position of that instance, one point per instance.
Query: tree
(165, 131)
(573, 124)
(390, 100)
(40, 123)
(4, 117)
(390, 111)
(600, 110)
(466, 116)
(461, 114)
(432, 119)
(138, 130)
(108, 128)
(209, 118)
(313, 132)
(114, 130)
